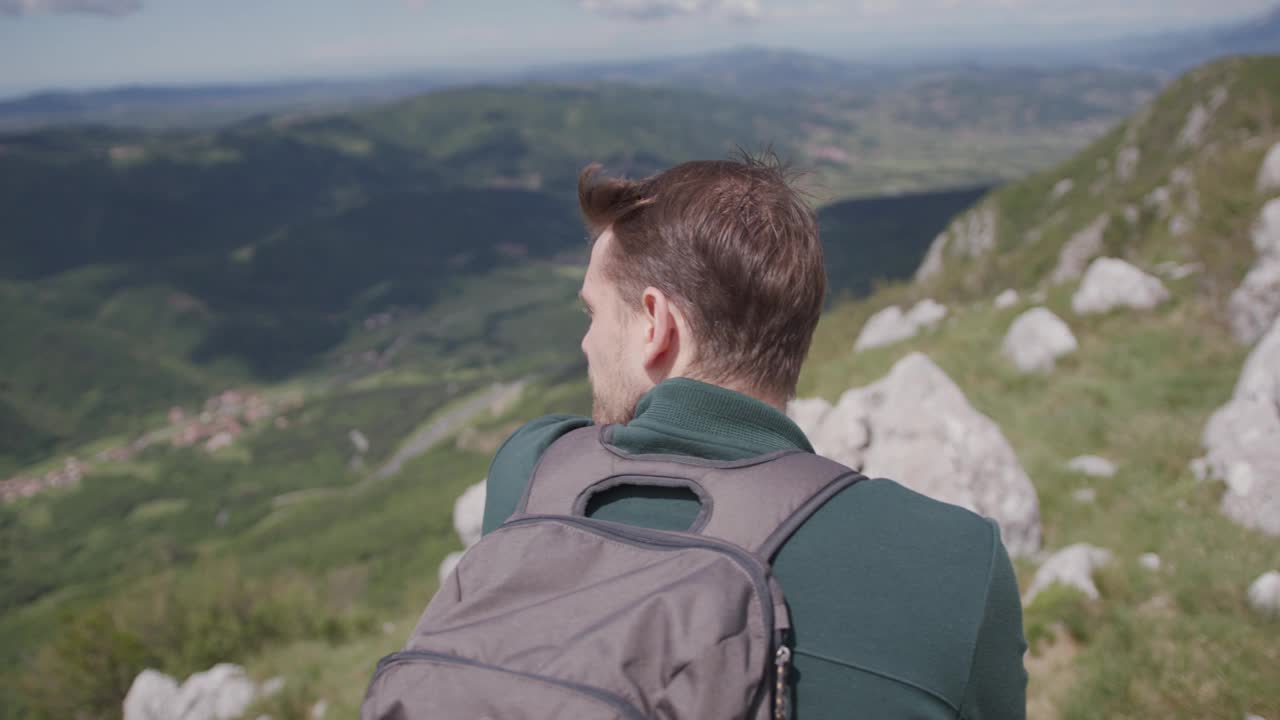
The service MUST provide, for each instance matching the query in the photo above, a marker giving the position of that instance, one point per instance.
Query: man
(704, 287)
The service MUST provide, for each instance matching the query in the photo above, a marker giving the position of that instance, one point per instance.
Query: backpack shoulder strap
(756, 503)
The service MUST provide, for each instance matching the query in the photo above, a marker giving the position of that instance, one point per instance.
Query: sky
(73, 44)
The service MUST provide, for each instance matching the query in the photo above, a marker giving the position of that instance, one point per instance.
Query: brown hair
(734, 244)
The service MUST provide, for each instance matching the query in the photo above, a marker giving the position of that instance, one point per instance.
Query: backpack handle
(706, 503)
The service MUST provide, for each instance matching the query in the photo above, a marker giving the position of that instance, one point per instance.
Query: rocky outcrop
(1093, 466)
(892, 325)
(1264, 593)
(970, 236)
(468, 519)
(1036, 339)
(1061, 188)
(468, 514)
(1193, 130)
(1072, 566)
(1192, 134)
(1127, 163)
(886, 327)
(1079, 250)
(1110, 283)
(150, 697)
(1006, 299)
(221, 693)
(1243, 440)
(916, 427)
(1269, 173)
(1256, 302)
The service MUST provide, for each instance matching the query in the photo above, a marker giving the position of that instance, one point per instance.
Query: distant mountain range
(1181, 51)
(748, 71)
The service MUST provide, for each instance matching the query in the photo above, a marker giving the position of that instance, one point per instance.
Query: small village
(222, 420)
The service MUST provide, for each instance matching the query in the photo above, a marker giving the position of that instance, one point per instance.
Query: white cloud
(740, 10)
(113, 8)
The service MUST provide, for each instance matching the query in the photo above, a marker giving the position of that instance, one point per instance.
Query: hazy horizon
(50, 45)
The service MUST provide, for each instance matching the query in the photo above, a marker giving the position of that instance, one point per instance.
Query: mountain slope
(1188, 155)
(1176, 189)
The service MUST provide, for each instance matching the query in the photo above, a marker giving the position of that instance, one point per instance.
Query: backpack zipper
(781, 708)
(406, 656)
(645, 537)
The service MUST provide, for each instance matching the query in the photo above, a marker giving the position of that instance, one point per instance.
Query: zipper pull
(781, 707)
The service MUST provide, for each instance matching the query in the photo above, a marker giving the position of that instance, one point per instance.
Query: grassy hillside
(1180, 641)
(179, 557)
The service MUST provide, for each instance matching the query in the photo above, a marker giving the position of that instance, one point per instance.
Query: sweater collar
(694, 409)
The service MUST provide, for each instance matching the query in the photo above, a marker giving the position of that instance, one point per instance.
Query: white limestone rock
(1264, 593)
(1072, 566)
(1218, 98)
(1006, 299)
(1061, 188)
(842, 432)
(1150, 561)
(150, 696)
(969, 236)
(1183, 179)
(1079, 250)
(1179, 225)
(916, 427)
(1243, 440)
(886, 327)
(1085, 496)
(468, 522)
(272, 686)
(1127, 163)
(1192, 133)
(1160, 200)
(1110, 283)
(359, 441)
(1178, 271)
(1256, 302)
(1036, 339)
(1093, 466)
(1269, 173)
(223, 692)
(1199, 468)
(927, 314)
(1266, 231)
(468, 514)
(891, 325)
(933, 260)
(808, 413)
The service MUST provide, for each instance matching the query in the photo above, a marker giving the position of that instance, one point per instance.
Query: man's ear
(661, 341)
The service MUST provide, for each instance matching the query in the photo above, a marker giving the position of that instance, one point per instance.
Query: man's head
(711, 270)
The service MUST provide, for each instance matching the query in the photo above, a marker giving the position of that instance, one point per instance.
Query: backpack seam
(879, 673)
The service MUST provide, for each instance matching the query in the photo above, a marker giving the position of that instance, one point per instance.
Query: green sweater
(903, 606)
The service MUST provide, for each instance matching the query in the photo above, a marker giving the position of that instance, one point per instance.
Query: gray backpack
(556, 615)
